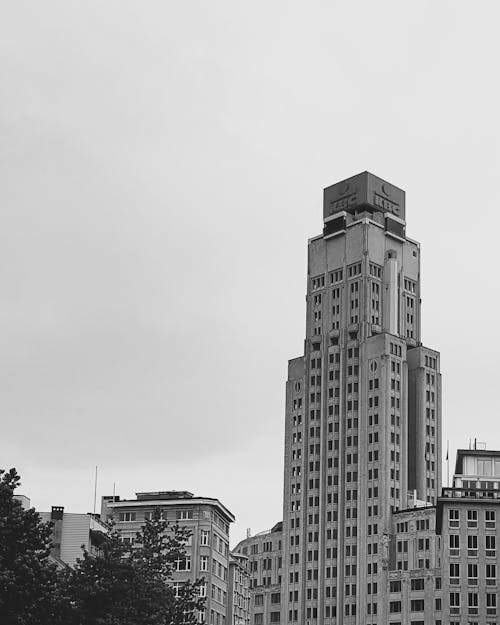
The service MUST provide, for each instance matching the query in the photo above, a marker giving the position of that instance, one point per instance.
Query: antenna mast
(95, 488)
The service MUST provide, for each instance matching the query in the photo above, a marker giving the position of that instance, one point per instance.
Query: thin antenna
(448, 463)
(114, 490)
(95, 488)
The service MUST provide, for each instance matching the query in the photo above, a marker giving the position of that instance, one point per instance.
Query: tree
(28, 580)
(123, 585)
(131, 585)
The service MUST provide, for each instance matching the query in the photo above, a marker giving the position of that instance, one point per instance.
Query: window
(473, 602)
(259, 600)
(203, 563)
(183, 564)
(472, 518)
(259, 619)
(490, 546)
(126, 516)
(395, 607)
(417, 584)
(417, 605)
(454, 543)
(472, 545)
(454, 602)
(204, 537)
(472, 574)
(491, 603)
(149, 516)
(454, 573)
(491, 574)
(453, 518)
(490, 519)
(184, 514)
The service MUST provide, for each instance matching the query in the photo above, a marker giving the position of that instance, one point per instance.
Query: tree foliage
(124, 585)
(28, 580)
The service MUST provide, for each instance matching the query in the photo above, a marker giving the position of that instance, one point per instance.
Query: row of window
(472, 545)
(472, 518)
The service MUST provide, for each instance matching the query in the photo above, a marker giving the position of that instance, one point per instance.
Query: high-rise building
(363, 409)
(207, 550)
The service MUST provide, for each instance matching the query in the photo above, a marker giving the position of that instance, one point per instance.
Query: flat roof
(182, 502)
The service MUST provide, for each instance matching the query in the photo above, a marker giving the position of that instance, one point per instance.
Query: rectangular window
(395, 586)
(454, 603)
(490, 545)
(453, 518)
(204, 537)
(472, 574)
(473, 602)
(472, 519)
(491, 574)
(183, 564)
(454, 543)
(472, 545)
(490, 519)
(417, 605)
(395, 607)
(454, 573)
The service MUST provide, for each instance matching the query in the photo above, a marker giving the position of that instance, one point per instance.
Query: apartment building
(238, 590)
(265, 566)
(74, 533)
(207, 552)
(468, 522)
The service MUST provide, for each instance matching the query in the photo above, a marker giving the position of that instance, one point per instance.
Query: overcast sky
(161, 168)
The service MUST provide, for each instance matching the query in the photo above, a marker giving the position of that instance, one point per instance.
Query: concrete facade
(207, 551)
(468, 522)
(363, 410)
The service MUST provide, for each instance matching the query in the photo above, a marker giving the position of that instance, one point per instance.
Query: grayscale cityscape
(150, 473)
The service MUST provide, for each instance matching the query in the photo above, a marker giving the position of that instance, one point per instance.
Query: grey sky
(161, 168)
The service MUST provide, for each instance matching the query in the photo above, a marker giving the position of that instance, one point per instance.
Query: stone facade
(363, 410)
(265, 566)
(238, 590)
(468, 522)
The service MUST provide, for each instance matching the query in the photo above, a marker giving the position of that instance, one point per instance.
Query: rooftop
(363, 190)
(477, 453)
(168, 498)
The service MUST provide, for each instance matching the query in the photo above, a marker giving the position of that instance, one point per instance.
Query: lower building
(440, 562)
(468, 516)
(207, 551)
(74, 533)
(238, 590)
(265, 565)
(413, 591)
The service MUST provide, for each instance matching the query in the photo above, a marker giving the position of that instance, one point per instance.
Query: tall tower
(363, 409)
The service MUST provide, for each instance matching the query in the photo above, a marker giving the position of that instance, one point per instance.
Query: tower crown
(363, 191)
